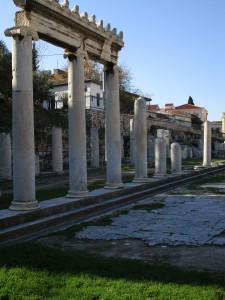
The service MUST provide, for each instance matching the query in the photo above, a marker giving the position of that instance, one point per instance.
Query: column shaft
(132, 151)
(23, 125)
(140, 140)
(175, 158)
(160, 157)
(94, 148)
(207, 144)
(113, 138)
(57, 162)
(77, 129)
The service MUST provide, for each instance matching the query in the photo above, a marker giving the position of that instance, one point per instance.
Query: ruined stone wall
(96, 119)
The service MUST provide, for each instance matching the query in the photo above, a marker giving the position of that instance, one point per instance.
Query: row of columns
(23, 129)
(23, 125)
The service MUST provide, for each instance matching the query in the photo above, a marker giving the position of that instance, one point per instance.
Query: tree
(41, 86)
(41, 79)
(93, 70)
(190, 101)
(5, 71)
(35, 58)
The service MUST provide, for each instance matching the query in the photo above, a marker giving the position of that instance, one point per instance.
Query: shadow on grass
(38, 257)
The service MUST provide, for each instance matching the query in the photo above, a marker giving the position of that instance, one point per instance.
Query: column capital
(23, 31)
(76, 54)
(112, 68)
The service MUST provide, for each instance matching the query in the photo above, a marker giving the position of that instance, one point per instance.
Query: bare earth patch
(202, 258)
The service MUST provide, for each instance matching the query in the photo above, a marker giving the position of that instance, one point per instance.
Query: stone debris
(190, 221)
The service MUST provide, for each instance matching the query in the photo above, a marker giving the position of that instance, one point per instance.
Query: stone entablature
(57, 24)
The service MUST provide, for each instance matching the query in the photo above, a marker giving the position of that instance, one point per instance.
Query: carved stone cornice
(67, 28)
(77, 54)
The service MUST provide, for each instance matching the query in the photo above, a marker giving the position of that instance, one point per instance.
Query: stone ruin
(81, 38)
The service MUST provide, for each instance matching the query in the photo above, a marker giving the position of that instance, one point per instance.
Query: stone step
(58, 213)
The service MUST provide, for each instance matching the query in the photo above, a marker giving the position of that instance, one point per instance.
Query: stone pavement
(183, 220)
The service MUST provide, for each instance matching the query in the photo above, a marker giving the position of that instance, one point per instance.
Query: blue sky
(173, 48)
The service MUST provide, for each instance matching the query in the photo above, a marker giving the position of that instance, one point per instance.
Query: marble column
(57, 160)
(160, 158)
(77, 126)
(207, 145)
(23, 122)
(151, 149)
(5, 156)
(94, 148)
(140, 140)
(113, 138)
(132, 151)
(165, 134)
(176, 159)
(223, 124)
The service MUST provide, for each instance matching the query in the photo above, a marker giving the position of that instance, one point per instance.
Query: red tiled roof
(152, 107)
(187, 106)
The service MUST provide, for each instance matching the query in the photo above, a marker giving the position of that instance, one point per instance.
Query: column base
(207, 166)
(113, 186)
(199, 168)
(81, 194)
(24, 205)
(141, 180)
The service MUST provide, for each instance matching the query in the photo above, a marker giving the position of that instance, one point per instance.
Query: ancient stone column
(200, 147)
(151, 150)
(165, 134)
(207, 144)
(140, 140)
(175, 158)
(113, 138)
(223, 124)
(5, 156)
(77, 126)
(216, 147)
(94, 148)
(160, 157)
(132, 151)
(57, 159)
(23, 121)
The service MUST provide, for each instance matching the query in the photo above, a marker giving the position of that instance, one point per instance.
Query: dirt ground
(202, 258)
(209, 258)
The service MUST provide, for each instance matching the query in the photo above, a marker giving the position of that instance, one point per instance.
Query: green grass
(211, 179)
(31, 271)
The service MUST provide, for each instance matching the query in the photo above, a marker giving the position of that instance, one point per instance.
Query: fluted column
(23, 121)
(57, 161)
(207, 145)
(140, 140)
(113, 138)
(77, 126)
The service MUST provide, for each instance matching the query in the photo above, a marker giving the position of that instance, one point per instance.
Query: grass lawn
(31, 271)
(218, 178)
